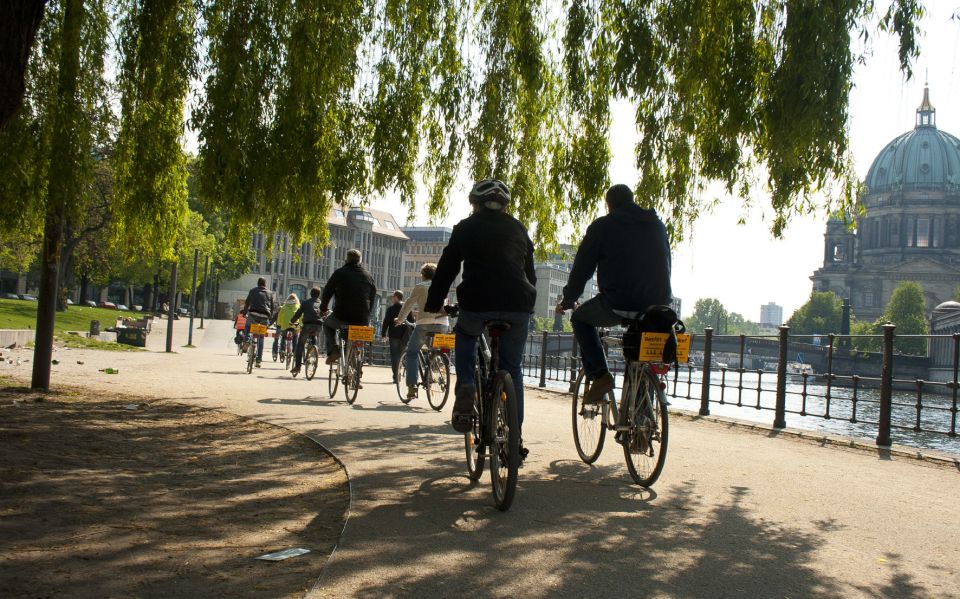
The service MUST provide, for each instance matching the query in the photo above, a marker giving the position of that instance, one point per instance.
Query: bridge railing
(871, 393)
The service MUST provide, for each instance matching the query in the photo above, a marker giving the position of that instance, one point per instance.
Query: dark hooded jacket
(355, 294)
(630, 253)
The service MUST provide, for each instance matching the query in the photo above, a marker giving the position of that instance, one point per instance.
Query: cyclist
(239, 325)
(284, 322)
(630, 252)
(396, 333)
(498, 283)
(309, 313)
(427, 322)
(355, 293)
(260, 306)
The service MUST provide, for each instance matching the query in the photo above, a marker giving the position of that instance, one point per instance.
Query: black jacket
(309, 311)
(630, 252)
(261, 301)
(497, 256)
(387, 329)
(355, 291)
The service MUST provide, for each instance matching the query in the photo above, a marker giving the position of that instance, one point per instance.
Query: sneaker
(333, 356)
(295, 371)
(462, 418)
(258, 364)
(412, 391)
(598, 390)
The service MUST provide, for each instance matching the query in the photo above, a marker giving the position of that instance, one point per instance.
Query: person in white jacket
(427, 322)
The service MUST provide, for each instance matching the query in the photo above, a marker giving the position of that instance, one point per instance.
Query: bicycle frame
(613, 412)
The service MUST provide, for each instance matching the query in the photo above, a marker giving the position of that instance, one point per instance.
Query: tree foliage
(707, 312)
(908, 310)
(821, 315)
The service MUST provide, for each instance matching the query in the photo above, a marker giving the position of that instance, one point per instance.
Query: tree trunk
(19, 21)
(84, 289)
(61, 189)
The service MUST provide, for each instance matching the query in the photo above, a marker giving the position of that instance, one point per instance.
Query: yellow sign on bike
(358, 333)
(258, 329)
(444, 341)
(652, 344)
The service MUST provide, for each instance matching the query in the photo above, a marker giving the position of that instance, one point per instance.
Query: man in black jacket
(355, 293)
(309, 313)
(498, 283)
(396, 333)
(260, 307)
(630, 252)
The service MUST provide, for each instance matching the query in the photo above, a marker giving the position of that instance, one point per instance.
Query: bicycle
(285, 348)
(434, 371)
(348, 368)
(311, 357)
(495, 424)
(258, 329)
(640, 420)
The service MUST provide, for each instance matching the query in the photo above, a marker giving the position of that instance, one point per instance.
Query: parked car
(137, 308)
(27, 297)
(69, 302)
(122, 307)
(11, 296)
(183, 312)
(108, 305)
(90, 303)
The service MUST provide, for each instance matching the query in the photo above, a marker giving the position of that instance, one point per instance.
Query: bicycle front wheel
(645, 444)
(401, 382)
(439, 381)
(351, 378)
(473, 439)
(589, 429)
(504, 431)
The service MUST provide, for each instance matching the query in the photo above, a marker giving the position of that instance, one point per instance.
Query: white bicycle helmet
(492, 193)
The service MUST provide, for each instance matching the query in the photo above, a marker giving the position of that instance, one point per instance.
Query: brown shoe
(333, 356)
(598, 390)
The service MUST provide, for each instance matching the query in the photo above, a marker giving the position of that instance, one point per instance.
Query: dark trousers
(396, 349)
(308, 330)
(591, 314)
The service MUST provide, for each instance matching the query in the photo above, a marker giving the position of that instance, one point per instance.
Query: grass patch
(80, 342)
(20, 314)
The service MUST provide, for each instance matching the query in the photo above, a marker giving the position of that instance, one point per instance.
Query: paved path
(735, 514)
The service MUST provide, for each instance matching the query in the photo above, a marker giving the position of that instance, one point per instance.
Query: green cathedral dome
(921, 159)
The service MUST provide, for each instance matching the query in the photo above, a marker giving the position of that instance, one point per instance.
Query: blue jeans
(413, 348)
(591, 314)
(468, 329)
(251, 318)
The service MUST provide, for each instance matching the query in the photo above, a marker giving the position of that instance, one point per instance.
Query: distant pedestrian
(396, 334)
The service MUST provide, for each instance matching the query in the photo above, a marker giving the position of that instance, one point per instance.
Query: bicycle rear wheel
(473, 439)
(401, 382)
(251, 354)
(310, 360)
(504, 431)
(645, 445)
(589, 430)
(351, 379)
(439, 382)
(288, 357)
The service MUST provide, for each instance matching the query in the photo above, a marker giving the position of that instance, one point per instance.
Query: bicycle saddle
(497, 325)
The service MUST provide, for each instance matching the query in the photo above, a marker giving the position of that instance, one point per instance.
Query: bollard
(886, 387)
(543, 360)
(705, 383)
(779, 418)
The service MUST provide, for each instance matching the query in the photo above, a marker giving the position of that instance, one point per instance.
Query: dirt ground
(114, 496)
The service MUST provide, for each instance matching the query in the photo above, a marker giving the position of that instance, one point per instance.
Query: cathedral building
(909, 229)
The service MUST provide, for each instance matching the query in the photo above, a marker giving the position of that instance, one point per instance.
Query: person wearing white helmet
(498, 283)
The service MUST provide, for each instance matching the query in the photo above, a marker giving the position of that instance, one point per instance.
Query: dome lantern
(926, 113)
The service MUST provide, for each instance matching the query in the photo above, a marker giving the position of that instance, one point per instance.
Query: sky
(743, 265)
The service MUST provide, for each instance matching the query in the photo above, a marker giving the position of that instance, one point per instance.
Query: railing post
(705, 382)
(886, 387)
(779, 419)
(543, 360)
(573, 362)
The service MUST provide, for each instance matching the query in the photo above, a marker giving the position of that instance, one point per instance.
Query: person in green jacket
(283, 316)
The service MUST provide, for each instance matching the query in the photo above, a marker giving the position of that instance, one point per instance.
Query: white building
(771, 315)
(291, 269)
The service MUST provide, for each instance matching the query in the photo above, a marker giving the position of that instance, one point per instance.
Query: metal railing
(873, 394)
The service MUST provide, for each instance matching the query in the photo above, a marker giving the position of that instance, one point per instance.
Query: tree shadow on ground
(574, 531)
(166, 500)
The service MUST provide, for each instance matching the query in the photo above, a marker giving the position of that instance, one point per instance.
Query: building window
(868, 299)
(923, 233)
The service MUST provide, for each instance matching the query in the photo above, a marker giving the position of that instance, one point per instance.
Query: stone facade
(910, 226)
